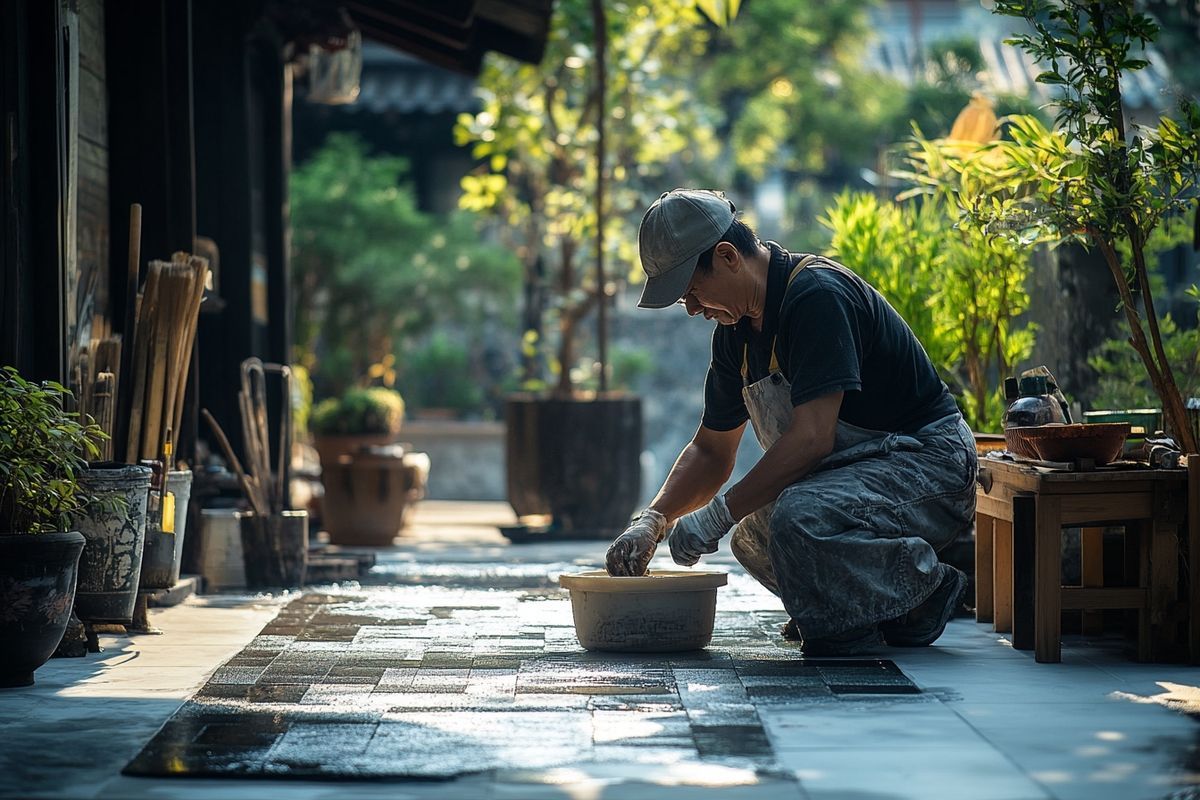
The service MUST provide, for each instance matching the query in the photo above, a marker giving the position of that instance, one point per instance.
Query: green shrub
(438, 375)
(43, 448)
(359, 411)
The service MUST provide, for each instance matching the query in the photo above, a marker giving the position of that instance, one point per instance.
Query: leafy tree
(372, 271)
(1095, 178)
(1122, 379)
(791, 78)
(536, 136)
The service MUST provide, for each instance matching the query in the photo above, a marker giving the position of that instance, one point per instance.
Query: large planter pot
(115, 533)
(331, 448)
(275, 549)
(577, 460)
(163, 552)
(38, 574)
(368, 496)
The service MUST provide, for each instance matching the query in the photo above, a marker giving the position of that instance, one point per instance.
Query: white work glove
(630, 553)
(699, 532)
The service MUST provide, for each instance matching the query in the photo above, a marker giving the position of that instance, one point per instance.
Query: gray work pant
(855, 543)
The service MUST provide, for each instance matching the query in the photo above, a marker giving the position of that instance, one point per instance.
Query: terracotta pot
(38, 575)
(330, 448)
(110, 568)
(367, 497)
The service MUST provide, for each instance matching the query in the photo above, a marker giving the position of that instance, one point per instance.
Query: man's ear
(728, 256)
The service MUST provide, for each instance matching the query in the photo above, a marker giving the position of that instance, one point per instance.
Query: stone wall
(466, 458)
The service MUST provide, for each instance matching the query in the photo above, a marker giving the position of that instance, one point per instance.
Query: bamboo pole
(124, 411)
(146, 307)
(156, 383)
(177, 325)
(200, 266)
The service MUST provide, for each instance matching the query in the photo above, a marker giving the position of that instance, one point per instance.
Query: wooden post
(983, 568)
(1193, 537)
(1142, 533)
(1002, 575)
(1048, 580)
(1091, 559)
(1164, 579)
(1023, 588)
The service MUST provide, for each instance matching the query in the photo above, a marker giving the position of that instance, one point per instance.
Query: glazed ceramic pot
(115, 533)
(38, 574)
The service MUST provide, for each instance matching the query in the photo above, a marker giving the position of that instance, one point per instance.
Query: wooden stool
(1021, 510)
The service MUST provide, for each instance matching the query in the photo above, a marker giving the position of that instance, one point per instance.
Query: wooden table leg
(1024, 530)
(983, 568)
(1091, 558)
(1048, 580)
(1193, 538)
(1141, 532)
(1164, 590)
(1002, 575)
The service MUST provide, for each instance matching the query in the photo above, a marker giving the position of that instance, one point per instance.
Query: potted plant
(369, 486)
(361, 417)
(43, 449)
(554, 170)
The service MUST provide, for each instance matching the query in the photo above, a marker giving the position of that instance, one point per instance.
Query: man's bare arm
(808, 439)
(699, 472)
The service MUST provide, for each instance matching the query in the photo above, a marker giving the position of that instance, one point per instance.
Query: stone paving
(442, 682)
(987, 724)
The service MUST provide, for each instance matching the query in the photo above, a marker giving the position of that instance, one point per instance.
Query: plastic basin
(664, 611)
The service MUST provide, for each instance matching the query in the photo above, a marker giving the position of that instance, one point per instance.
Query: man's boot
(925, 623)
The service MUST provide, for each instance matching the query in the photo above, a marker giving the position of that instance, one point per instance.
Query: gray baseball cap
(676, 229)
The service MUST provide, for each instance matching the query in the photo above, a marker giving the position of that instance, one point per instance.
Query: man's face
(716, 294)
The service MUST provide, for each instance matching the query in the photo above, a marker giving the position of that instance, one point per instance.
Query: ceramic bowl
(664, 611)
(1100, 442)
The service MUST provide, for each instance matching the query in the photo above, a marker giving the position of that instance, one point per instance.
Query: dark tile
(879, 677)
(742, 741)
(358, 670)
(277, 693)
(235, 734)
(226, 691)
(496, 662)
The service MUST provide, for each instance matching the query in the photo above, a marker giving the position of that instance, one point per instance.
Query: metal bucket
(221, 562)
(115, 535)
(164, 551)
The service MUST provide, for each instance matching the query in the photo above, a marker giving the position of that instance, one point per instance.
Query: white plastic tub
(664, 611)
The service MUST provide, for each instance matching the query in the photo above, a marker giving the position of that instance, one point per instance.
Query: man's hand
(630, 554)
(699, 532)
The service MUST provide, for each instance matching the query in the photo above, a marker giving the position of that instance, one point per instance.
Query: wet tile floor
(438, 682)
(988, 724)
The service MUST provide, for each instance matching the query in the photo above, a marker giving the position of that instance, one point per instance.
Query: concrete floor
(990, 722)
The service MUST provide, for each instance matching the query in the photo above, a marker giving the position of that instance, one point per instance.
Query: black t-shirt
(835, 332)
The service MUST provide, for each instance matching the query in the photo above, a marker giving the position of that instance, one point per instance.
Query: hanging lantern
(335, 72)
